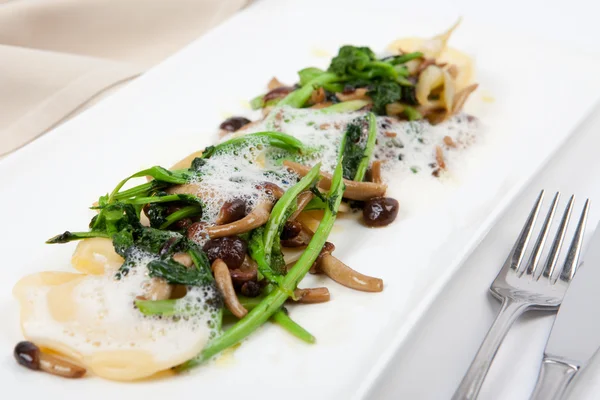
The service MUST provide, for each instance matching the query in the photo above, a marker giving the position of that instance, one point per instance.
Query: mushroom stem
(344, 275)
(57, 366)
(258, 217)
(376, 171)
(312, 295)
(354, 190)
(225, 285)
(183, 259)
(303, 199)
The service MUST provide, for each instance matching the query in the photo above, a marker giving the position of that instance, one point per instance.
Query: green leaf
(384, 93)
(276, 139)
(71, 236)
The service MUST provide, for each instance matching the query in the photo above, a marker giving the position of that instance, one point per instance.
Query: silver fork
(522, 287)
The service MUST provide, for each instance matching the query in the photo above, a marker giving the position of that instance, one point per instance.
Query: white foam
(107, 320)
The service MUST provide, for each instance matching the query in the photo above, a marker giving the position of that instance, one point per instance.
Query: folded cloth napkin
(57, 57)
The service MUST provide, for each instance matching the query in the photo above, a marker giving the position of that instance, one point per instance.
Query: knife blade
(575, 335)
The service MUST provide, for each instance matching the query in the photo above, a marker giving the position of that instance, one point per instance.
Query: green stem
(185, 212)
(279, 212)
(346, 106)
(283, 320)
(371, 139)
(168, 308)
(300, 96)
(156, 172)
(406, 57)
(257, 102)
(411, 113)
(274, 300)
(71, 236)
(162, 199)
(141, 190)
(277, 139)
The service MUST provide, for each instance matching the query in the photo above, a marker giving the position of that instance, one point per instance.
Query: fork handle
(473, 380)
(553, 380)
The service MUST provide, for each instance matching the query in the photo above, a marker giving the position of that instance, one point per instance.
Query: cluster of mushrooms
(236, 273)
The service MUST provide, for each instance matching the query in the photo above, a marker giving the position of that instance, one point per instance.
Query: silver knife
(575, 335)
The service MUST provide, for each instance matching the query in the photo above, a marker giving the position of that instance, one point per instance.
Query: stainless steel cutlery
(531, 285)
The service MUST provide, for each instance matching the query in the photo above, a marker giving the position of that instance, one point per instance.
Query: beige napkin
(59, 56)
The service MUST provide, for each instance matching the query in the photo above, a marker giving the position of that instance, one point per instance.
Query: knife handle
(553, 380)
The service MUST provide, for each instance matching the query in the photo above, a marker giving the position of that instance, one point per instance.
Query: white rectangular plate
(174, 109)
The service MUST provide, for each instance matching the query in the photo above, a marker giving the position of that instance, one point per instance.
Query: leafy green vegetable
(172, 307)
(185, 212)
(284, 207)
(346, 106)
(71, 236)
(384, 93)
(353, 149)
(160, 174)
(144, 189)
(276, 139)
(299, 97)
(308, 74)
(256, 248)
(275, 299)
(282, 319)
(411, 113)
(187, 198)
(361, 170)
(404, 58)
(350, 59)
(257, 102)
(178, 274)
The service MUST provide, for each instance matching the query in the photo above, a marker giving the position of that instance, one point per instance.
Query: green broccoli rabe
(357, 146)
(275, 139)
(276, 297)
(178, 274)
(386, 79)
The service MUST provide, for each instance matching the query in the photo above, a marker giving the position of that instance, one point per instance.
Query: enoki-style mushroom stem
(344, 275)
(30, 356)
(258, 217)
(312, 295)
(354, 190)
(225, 285)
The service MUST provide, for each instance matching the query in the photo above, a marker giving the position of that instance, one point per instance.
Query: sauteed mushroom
(344, 275)
(223, 281)
(30, 356)
(256, 218)
(354, 190)
(312, 295)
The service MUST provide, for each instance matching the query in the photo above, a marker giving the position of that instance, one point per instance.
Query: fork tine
(518, 251)
(572, 259)
(560, 236)
(539, 244)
